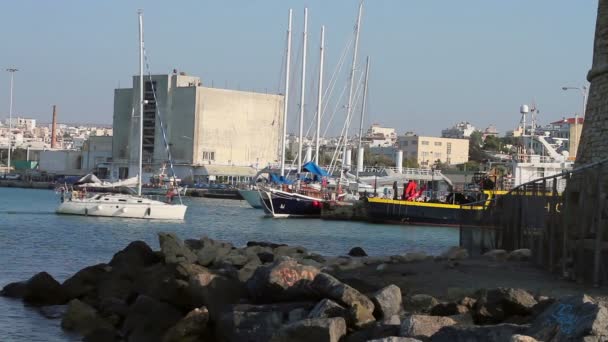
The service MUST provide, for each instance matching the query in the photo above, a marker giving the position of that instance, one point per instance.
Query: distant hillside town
(223, 135)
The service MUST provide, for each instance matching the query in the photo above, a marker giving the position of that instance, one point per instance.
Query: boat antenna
(141, 98)
(302, 89)
(352, 80)
(320, 95)
(359, 150)
(286, 98)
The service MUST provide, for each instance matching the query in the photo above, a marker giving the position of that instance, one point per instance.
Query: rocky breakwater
(207, 290)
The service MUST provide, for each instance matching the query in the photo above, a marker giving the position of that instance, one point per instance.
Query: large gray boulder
(571, 319)
(85, 282)
(387, 301)
(244, 322)
(494, 333)
(327, 308)
(423, 326)
(214, 291)
(357, 252)
(312, 329)
(284, 279)
(247, 271)
(149, 319)
(137, 254)
(360, 307)
(290, 251)
(40, 290)
(496, 305)
(190, 328)
(174, 250)
(83, 319)
(419, 303)
(210, 250)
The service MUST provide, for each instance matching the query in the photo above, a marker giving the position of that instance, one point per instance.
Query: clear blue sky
(434, 63)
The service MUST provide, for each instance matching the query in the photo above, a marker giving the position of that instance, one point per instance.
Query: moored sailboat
(121, 205)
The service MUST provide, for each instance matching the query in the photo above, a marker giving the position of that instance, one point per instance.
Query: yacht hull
(252, 197)
(148, 209)
(280, 204)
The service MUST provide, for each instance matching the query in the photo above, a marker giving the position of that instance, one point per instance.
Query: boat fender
(124, 210)
(148, 211)
(86, 211)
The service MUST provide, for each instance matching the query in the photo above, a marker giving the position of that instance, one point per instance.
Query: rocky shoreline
(208, 290)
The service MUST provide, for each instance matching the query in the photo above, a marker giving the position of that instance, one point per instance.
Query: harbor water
(33, 239)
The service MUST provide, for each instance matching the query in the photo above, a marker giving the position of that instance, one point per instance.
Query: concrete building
(427, 150)
(489, 131)
(378, 136)
(569, 130)
(461, 130)
(97, 156)
(203, 127)
(64, 162)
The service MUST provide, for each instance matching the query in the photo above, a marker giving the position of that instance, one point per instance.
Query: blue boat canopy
(315, 169)
(279, 179)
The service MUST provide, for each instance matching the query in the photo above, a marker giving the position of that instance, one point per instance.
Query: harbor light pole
(10, 117)
(584, 93)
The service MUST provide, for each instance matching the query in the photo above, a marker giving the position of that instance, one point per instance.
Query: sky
(433, 63)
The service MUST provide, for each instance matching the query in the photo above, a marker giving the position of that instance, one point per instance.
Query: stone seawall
(209, 290)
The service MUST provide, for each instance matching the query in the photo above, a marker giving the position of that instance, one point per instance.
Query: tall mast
(302, 90)
(352, 81)
(363, 108)
(285, 100)
(320, 95)
(141, 98)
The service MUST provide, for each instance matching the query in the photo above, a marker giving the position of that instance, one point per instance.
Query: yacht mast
(286, 98)
(352, 80)
(302, 90)
(141, 98)
(320, 95)
(363, 108)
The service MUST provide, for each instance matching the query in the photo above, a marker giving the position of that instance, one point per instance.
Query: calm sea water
(33, 239)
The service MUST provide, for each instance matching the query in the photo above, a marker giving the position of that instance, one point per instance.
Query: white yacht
(120, 205)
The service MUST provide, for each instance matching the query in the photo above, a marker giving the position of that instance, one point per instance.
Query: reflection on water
(33, 239)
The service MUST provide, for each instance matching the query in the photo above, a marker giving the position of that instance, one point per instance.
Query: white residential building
(461, 130)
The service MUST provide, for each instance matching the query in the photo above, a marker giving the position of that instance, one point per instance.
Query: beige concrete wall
(241, 128)
(121, 124)
(427, 150)
(181, 123)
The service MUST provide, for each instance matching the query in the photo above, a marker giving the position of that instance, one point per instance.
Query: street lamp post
(584, 94)
(10, 118)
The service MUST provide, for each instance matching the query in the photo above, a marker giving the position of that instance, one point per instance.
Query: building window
(414, 142)
(208, 155)
(405, 143)
(437, 143)
(449, 151)
(424, 142)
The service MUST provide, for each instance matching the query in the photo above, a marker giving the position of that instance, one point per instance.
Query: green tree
(469, 166)
(492, 143)
(475, 146)
(410, 163)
